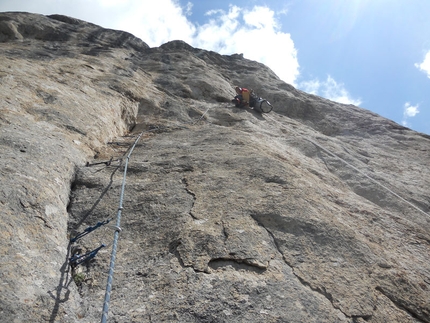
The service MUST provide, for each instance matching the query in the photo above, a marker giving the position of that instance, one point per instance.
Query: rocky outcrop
(316, 212)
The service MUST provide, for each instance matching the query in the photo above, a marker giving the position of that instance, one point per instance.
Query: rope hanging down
(116, 235)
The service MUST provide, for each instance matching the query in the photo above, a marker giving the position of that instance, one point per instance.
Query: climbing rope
(118, 228)
(77, 259)
(201, 116)
(108, 163)
(116, 235)
(355, 168)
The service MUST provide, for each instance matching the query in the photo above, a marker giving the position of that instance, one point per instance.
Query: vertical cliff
(316, 212)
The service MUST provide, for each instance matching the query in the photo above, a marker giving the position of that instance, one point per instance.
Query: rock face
(316, 212)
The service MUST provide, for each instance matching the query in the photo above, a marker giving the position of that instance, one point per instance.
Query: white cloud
(255, 33)
(284, 10)
(311, 86)
(329, 89)
(155, 22)
(409, 111)
(110, 3)
(189, 8)
(425, 65)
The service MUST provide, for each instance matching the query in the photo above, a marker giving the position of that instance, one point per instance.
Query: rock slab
(316, 212)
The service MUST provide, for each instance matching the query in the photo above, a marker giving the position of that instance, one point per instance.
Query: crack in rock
(225, 232)
(238, 264)
(193, 195)
(173, 249)
(400, 306)
(323, 292)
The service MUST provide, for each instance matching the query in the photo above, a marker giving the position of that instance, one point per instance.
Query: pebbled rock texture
(315, 212)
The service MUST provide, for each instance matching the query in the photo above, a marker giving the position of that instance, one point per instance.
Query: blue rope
(76, 260)
(115, 241)
(88, 230)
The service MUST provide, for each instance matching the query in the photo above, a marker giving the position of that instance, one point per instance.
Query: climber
(242, 99)
(247, 98)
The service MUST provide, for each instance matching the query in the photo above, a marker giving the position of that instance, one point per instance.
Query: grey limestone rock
(316, 212)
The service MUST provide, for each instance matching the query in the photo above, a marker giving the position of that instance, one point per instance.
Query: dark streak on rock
(399, 304)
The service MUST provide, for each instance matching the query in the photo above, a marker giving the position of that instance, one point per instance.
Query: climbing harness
(76, 260)
(88, 230)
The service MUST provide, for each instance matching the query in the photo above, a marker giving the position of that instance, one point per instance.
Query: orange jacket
(244, 92)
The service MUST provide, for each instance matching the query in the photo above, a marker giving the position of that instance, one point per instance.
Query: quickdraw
(77, 259)
(88, 230)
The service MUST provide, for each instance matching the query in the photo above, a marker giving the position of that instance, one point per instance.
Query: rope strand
(116, 235)
(358, 170)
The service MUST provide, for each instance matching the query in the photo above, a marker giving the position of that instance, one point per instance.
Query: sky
(371, 53)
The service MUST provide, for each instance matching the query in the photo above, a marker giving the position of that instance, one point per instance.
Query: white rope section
(353, 167)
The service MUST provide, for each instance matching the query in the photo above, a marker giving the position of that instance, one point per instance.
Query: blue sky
(374, 54)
